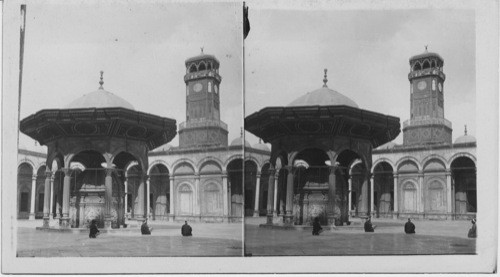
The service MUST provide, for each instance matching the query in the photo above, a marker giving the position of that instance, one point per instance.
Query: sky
(140, 46)
(367, 56)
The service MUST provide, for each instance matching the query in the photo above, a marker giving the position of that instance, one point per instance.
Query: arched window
(209, 86)
(192, 68)
(426, 64)
(202, 66)
(416, 66)
(185, 200)
(209, 67)
(409, 197)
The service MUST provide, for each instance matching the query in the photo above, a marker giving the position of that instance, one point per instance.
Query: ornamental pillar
(448, 191)
(349, 196)
(139, 214)
(395, 208)
(363, 203)
(172, 204)
(275, 194)
(332, 203)
(108, 185)
(288, 219)
(197, 208)
(270, 196)
(125, 201)
(257, 194)
(65, 198)
(51, 211)
(148, 198)
(46, 199)
(372, 194)
(33, 195)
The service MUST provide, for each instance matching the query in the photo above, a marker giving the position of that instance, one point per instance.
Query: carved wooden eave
(273, 123)
(46, 126)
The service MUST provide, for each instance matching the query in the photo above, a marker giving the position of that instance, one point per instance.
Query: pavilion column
(108, 185)
(363, 205)
(288, 219)
(125, 200)
(148, 198)
(225, 203)
(139, 213)
(65, 198)
(395, 208)
(275, 194)
(257, 194)
(448, 191)
(332, 187)
(270, 196)
(58, 200)
(372, 195)
(46, 199)
(33, 195)
(420, 201)
(172, 203)
(52, 197)
(229, 199)
(349, 197)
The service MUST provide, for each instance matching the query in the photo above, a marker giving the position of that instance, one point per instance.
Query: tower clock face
(422, 85)
(197, 87)
(440, 87)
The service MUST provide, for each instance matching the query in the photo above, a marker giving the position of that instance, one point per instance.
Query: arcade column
(372, 195)
(332, 186)
(395, 213)
(288, 218)
(172, 198)
(257, 194)
(46, 199)
(139, 214)
(270, 196)
(33, 195)
(65, 198)
(108, 185)
(448, 192)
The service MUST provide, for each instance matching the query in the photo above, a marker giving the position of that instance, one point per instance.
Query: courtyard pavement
(432, 237)
(209, 239)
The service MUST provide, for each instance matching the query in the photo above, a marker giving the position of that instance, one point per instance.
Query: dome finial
(325, 80)
(426, 47)
(202, 49)
(101, 82)
(465, 130)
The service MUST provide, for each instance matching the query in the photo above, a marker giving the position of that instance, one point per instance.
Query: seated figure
(409, 227)
(186, 230)
(473, 230)
(145, 229)
(316, 227)
(94, 232)
(369, 227)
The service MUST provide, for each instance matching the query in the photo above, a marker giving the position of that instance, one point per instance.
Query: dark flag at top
(246, 22)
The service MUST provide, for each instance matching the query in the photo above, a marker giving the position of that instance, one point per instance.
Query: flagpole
(21, 58)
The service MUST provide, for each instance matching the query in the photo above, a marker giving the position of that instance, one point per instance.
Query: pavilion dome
(239, 141)
(323, 97)
(99, 99)
(261, 146)
(465, 138)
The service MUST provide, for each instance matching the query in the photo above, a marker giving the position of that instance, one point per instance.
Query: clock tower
(203, 126)
(427, 124)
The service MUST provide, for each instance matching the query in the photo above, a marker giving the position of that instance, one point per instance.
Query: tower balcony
(426, 121)
(202, 74)
(199, 123)
(426, 72)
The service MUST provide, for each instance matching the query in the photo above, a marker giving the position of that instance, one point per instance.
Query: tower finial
(426, 47)
(465, 130)
(202, 49)
(101, 82)
(325, 80)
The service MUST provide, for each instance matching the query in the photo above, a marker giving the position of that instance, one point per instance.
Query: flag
(246, 22)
